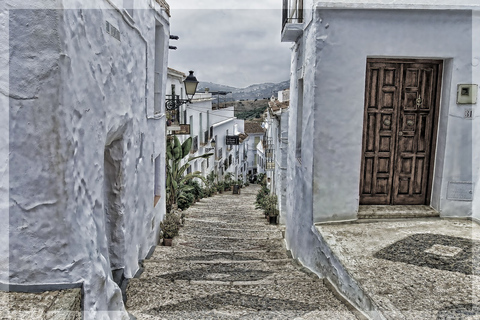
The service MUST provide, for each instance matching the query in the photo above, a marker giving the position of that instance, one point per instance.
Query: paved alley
(229, 263)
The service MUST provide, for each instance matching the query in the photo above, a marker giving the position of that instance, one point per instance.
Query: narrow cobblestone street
(229, 263)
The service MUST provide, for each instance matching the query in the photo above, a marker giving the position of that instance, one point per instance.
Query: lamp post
(190, 84)
(172, 104)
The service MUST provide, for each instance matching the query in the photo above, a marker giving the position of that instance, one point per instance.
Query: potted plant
(228, 181)
(270, 207)
(220, 186)
(169, 226)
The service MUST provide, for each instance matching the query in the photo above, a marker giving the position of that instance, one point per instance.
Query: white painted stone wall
(476, 121)
(252, 150)
(340, 82)
(277, 132)
(330, 58)
(83, 138)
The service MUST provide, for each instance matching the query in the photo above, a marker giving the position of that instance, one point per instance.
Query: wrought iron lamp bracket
(175, 102)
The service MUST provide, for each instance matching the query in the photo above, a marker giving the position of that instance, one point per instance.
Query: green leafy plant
(228, 181)
(262, 179)
(197, 190)
(170, 225)
(187, 199)
(270, 205)
(262, 193)
(177, 186)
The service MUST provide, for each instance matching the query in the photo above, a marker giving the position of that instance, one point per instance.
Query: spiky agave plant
(176, 178)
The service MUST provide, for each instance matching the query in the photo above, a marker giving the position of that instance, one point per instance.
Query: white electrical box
(467, 93)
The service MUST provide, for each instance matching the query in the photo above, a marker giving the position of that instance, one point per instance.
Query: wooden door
(401, 109)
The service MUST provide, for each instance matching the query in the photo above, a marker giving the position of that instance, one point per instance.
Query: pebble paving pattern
(229, 263)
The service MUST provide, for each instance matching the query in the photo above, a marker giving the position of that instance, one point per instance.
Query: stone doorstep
(396, 212)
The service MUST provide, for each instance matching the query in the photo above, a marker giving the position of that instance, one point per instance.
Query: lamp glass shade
(190, 85)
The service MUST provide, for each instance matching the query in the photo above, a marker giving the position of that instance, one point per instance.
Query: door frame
(435, 118)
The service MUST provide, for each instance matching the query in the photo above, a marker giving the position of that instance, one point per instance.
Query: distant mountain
(255, 91)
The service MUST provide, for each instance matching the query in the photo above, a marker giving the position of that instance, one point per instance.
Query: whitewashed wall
(339, 98)
(74, 92)
(476, 121)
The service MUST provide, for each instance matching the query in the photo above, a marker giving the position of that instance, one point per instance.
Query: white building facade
(380, 112)
(206, 124)
(255, 133)
(276, 148)
(86, 164)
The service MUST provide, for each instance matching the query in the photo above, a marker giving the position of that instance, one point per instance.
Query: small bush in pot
(170, 226)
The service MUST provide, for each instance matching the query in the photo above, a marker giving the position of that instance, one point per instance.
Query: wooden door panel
(399, 126)
(415, 132)
(381, 102)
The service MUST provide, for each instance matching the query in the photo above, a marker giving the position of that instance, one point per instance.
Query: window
(200, 128)
(298, 152)
(195, 144)
(191, 126)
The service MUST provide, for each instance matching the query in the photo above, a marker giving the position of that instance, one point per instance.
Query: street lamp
(190, 84)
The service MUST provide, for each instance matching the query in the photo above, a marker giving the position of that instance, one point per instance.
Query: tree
(176, 178)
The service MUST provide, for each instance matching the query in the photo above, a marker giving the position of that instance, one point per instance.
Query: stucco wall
(82, 149)
(476, 121)
(344, 40)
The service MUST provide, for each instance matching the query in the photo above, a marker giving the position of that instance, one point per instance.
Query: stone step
(236, 235)
(228, 243)
(228, 271)
(201, 300)
(183, 253)
(258, 225)
(396, 212)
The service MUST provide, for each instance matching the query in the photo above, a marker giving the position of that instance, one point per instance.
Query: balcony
(292, 20)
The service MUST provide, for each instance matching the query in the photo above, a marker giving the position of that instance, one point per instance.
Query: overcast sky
(235, 43)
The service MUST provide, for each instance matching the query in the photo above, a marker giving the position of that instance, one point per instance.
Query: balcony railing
(292, 20)
(293, 14)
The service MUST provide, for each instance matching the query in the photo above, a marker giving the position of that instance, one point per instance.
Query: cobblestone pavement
(229, 263)
(425, 269)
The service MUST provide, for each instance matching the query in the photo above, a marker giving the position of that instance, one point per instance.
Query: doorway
(399, 131)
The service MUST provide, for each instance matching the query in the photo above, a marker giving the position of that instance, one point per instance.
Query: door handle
(410, 123)
(400, 133)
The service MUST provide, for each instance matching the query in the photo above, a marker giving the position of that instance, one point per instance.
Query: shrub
(170, 226)
(262, 193)
(197, 190)
(186, 200)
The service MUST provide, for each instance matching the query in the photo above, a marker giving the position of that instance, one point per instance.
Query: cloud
(236, 47)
